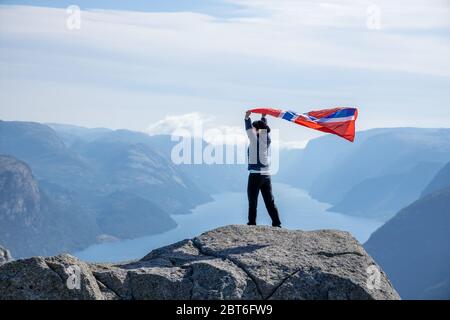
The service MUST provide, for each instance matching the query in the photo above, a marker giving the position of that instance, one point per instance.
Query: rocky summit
(232, 262)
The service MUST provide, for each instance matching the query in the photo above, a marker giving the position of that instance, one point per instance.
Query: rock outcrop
(232, 262)
(5, 255)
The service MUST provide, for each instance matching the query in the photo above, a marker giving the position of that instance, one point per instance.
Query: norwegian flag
(339, 121)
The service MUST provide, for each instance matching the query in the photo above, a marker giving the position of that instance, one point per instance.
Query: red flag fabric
(339, 121)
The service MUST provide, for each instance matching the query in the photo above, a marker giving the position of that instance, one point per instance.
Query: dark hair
(261, 125)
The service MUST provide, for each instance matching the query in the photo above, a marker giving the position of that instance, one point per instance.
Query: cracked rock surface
(232, 262)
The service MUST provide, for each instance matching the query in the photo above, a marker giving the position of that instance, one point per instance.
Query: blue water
(297, 211)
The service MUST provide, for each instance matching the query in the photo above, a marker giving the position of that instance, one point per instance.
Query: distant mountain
(71, 134)
(290, 160)
(41, 148)
(93, 162)
(31, 223)
(208, 178)
(391, 151)
(78, 173)
(440, 181)
(45, 219)
(124, 161)
(125, 215)
(366, 177)
(213, 179)
(413, 247)
(319, 156)
(382, 197)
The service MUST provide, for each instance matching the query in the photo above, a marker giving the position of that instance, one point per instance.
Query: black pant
(257, 182)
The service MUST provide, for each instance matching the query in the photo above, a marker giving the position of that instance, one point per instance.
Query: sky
(155, 66)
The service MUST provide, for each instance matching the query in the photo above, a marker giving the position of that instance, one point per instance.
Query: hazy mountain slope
(40, 147)
(413, 248)
(393, 151)
(321, 155)
(290, 160)
(71, 134)
(440, 181)
(33, 224)
(376, 175)
(382, 197)
(125, 215)
(46, 219)
(100, 161)
(208, 178)
(212, 178)
(118, 166)
(122, 164)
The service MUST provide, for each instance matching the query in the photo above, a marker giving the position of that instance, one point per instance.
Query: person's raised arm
(248, 127)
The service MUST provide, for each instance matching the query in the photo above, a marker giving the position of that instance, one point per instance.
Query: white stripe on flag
(343, 119)
(306, 117)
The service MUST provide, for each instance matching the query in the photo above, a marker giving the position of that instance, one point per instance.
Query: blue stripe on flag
(289, 115)
(341, 113)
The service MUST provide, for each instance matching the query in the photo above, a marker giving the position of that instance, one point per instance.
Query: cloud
(124, 68)
(209, 129)
(300, 32)
(198, 125)
(301, 144)
(227, 135)
(192, 123)
(401, 14)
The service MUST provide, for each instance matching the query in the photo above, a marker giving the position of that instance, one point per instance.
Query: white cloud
(400, 14)
(227, 135)
(209, 129)
(300, 32)
(193, 123)
(198, 125)
(301, 144)
(124, 68)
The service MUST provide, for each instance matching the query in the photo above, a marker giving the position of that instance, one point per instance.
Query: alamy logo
(74, 19)
(374, 278)
(74, 280)
(225, 148)
(373, 21)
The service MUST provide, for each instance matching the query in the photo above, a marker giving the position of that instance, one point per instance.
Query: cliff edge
(232, 262)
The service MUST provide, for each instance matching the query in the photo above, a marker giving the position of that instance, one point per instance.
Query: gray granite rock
(62, 277)
(232, 262)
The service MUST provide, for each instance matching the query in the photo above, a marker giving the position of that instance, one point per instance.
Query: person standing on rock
(259, 169)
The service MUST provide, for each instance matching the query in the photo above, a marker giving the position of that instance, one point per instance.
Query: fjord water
(297, 210)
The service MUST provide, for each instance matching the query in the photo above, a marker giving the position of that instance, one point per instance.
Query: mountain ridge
(413, 246)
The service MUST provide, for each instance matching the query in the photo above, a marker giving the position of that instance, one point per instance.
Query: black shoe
(251, 224)
(277, 226)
